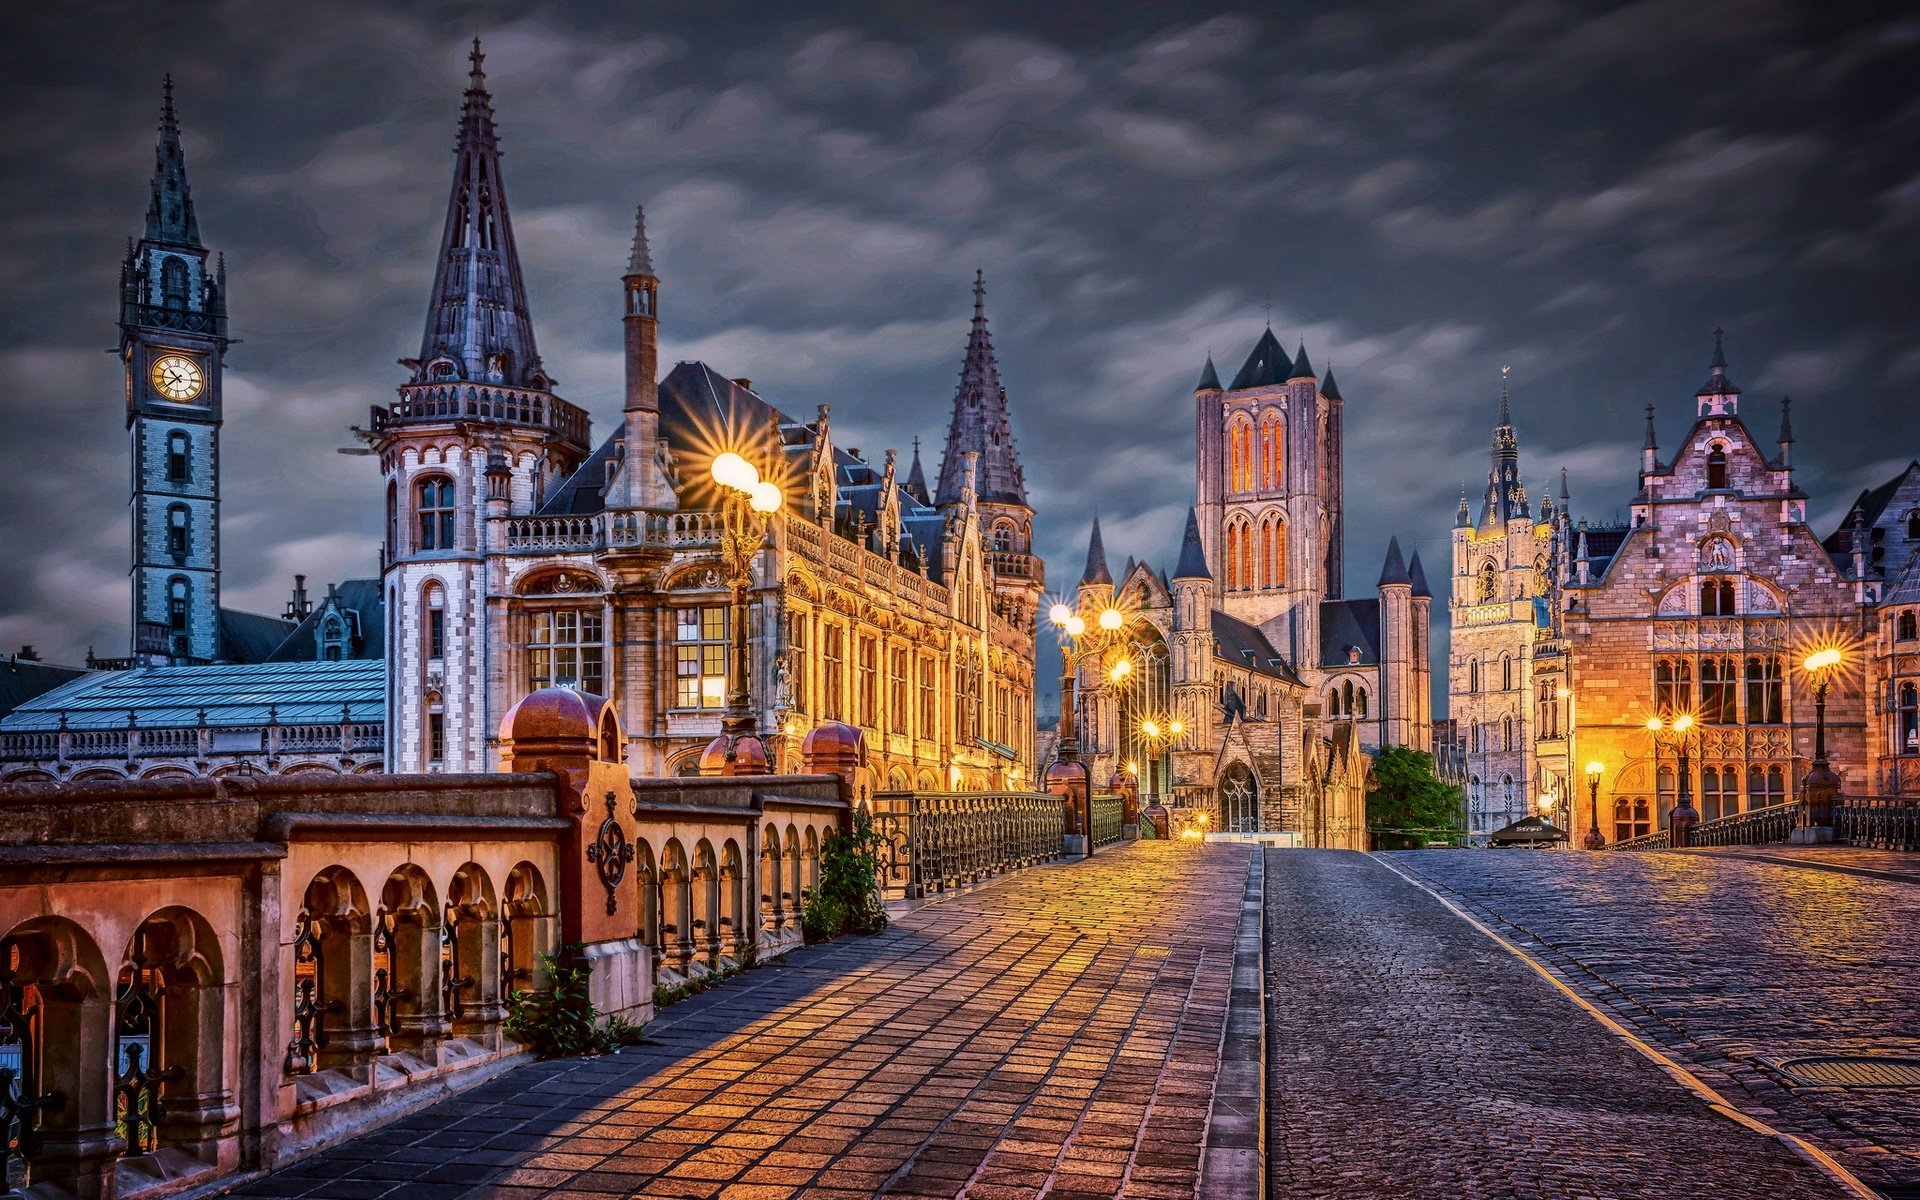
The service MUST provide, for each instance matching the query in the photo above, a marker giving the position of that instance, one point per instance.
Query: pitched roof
(365, 606)
(1349, 623)
(21, 679)
(1193, 555)
(584, 492)
(250, 637)
(1302, 365)
(1209, 378)
(1869, 506)
(1244, 645)
(1096, 569)
(1266, 366)
(170, 219)
(1329, 388)
(1417, 575)
(303, 693)
(1394, 570)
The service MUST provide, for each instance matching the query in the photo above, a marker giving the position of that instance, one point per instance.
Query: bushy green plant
(562, 1021)
(1407, 806)
(848, 895)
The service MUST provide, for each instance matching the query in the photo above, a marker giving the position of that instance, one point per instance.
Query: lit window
(565, 650)
(700, 657)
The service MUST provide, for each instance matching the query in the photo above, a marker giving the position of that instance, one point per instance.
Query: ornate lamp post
(747, 506)
(1069, 777)
(1595, 839)
(1822, 782)
(1677, 732)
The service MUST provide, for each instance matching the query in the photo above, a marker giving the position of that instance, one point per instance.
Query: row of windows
(1347, 701)
(1481, 740)
(1717, 701)
(1257, 463)
(1256, 558)
(1506, 674)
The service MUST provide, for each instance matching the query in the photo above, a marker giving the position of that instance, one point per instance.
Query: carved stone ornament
(610, 852)
(711, 579)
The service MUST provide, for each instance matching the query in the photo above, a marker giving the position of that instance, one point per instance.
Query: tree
(1407, 805)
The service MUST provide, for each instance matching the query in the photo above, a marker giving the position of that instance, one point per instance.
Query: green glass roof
(235, 695)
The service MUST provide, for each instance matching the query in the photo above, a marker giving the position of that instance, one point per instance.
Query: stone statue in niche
(1717, 555)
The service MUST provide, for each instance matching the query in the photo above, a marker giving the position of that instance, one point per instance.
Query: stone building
(520, 554)
(1705, 604)
(1502, 620)
(1879, 539)
(1281, 683)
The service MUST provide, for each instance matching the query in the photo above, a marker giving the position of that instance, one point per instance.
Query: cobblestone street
(1411, 1056)
(1057, 1033)
(1732, 962)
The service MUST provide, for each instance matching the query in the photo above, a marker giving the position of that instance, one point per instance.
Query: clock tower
(173, 336)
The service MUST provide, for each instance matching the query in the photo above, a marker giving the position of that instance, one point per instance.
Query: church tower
(981, 426)
(173, 342)
(1501, 612)
(476, 438)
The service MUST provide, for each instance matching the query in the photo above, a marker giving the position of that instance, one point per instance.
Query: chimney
(299, 606)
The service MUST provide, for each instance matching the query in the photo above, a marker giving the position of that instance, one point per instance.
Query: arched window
(177, 604)
(1003, 537)
(435, 730)
(1766, 786)
(1712, 804)
(1717, 692)
(1273, 452)
(1909, 626)
(433, 498)
(435, 604)
(1240, 455)
(1346, 697)
(1716, 598)
(1631, 818)
(333, 638)
(1506, 733)
(1907, 734)
(178, 469)
(1473, 675)
(1333, 702)
(1506, 782)
(1489, 582)
(1672, 685)
(173, 283)
(177, 528)
(1913, 524)
(1360, 700)
(1717, 466)
(1506, 672)
(1273, 551)
(1765, 691)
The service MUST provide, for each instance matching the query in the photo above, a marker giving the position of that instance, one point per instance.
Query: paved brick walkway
(1411, 1056)
(1055, 1034)
(1731, 965)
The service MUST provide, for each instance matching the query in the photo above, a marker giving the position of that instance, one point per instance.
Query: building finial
(1719, 354)
(1563, 489)
(979, 294)
(168, 122)
(475, 71)
(1506, 417)
(640, 262)
(1650, 444)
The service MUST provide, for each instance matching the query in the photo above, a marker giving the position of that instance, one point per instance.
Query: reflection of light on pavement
(1193, 833)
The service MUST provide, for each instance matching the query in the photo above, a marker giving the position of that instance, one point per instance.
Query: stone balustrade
(87, 755)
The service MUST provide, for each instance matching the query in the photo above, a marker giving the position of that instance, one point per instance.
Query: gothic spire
(1717, 383)
(170, 218)
(1329, 388)
(980, 421)
(1302, 366)
(1394, 570)
(1506, 496)
(1209, 378)
(917, 478)
(477, 316)
(1096, 571)
(1417, 575)
(640, 262)
(1193, 555)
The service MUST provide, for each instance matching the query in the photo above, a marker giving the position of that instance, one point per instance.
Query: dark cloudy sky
(1423, 190)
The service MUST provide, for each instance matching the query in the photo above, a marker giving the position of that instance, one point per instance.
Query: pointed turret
(980, 422)
(1718, 396)
(170, 219)
(1209, 378)
(1302, 366)
(1267, 365)
(1463, 517)
(1506, 496)
(1329, 388)
(1649, 449)
(917, 478)
(1786, 432)
(477, 318)
(644, 478)
(1096, 571)
(1394, 570)
(1417, 575)
(1193, 553)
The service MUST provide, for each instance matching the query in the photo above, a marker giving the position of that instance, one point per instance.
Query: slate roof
(1193, 555)
(233, 695)
(250, 637)
(1209, 378)
(1237, 642)
(1096, 570)
(1870, 507)
(1394, 570)
(1302, 365)
(366, 626)
(21, 679)
(583, 493)
(1417, 575)
(1345, 623)
(1267, 365)
(1603, 542)
(1329, 388)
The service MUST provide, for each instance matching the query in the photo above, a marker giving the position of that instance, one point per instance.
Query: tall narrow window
(177, 530)
(436, 605)
(1506, 672)
(1710, 795)
(1669, 791)
(1360, 700)
(1717, 692)
(700, 656)
(929, 711)
(177, 605)
(867, 667)
(434, 503)
(173, 283)
(1716, 598)
(897, 712)
(800, 646)
(832, 666)
(565, 650)
(1907, 733)
(1672, 685)
(1473, 675)
(436, 730)
(1765, 691)
(1506, 733)
(1717, 467)
(178, 470)
(1909, 626)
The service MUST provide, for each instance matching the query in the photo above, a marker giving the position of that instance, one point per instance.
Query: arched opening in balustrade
(56, 1025)
(646, 882)
(794, 888)
(406, 968)
(170, 1038)
(810, 854)
(470, 985)
(773, 914)
(527, 930)
(733, 936)
(333, 1021)
(676, 887)
(706, 902)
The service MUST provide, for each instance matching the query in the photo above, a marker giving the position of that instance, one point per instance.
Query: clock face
(178, 378)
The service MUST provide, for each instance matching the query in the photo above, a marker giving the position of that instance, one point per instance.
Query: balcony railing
(1755, 827)
(612, 531)
(1107, 811)
(1011, 564)
(932, 842)
(204, 744)
(1880, 822)
(492, 403)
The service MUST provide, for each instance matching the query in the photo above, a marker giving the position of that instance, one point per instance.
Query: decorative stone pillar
(1069, 781)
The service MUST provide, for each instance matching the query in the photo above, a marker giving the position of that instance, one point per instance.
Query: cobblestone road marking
(1055, 1035)
(1410, 1056)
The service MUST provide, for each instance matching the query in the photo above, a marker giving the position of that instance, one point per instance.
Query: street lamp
(1677, 732)
(747, 507)
(1081, 641)
(1822, 783)
(1595, 839)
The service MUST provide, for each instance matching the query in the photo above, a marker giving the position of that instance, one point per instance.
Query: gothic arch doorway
(1239, 800)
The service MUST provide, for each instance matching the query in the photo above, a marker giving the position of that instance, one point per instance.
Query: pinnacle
(640, 262)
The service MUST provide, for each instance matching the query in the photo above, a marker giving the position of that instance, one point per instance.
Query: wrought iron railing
(1107, 811)
(1659, 840)
(1880, 822)
(1755, 827)
(934, 841)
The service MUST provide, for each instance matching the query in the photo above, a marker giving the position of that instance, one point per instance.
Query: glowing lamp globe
(1595, 767)
(1059, 614)
(730, 470)
(765, 497)
(1076, 626)
(1820, 660)
(1653, 724)
(1110, 619)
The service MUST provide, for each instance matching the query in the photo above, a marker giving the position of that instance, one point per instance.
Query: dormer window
(1717, 466)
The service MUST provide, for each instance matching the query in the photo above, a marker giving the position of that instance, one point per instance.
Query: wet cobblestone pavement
(1734, 963)
(1411, 1056)
(1057, 1033)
